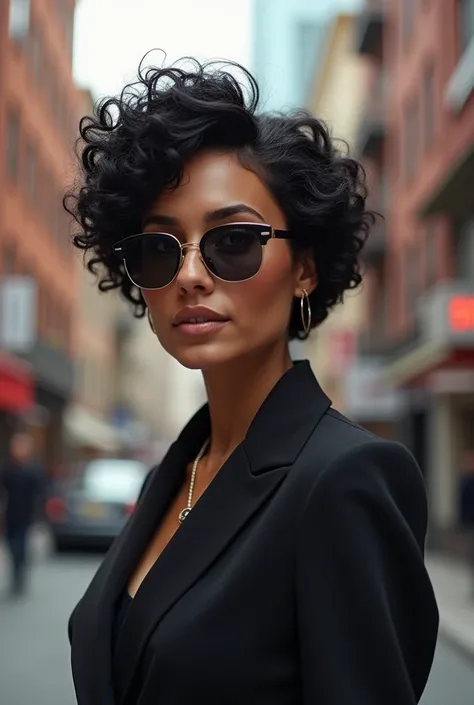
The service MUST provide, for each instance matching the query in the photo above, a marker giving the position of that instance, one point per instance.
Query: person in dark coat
(276, 554)
(20, 487)
(466, 501)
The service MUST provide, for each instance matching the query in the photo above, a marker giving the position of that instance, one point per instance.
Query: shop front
(16, 396)
(370, 400)
(88, 434)
(54, 384)
(439, 368)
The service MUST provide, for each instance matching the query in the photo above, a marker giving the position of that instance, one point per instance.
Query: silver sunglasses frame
(269, 234)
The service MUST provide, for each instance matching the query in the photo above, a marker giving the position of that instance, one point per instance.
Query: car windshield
(114, 480)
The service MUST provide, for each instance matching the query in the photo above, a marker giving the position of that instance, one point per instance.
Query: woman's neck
(235, 393)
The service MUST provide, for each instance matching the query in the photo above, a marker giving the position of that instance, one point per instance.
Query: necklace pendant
(183, 514)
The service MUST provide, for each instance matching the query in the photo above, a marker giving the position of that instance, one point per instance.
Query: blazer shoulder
(339, 442)
(334, 436)
(346, 427)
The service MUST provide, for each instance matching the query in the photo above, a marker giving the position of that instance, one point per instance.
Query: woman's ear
(307, 276)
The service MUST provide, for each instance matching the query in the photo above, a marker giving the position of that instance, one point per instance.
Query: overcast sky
(111, 36)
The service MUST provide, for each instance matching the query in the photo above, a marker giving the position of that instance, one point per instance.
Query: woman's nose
(193, 273)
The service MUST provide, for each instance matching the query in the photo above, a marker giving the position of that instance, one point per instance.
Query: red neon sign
(461, 314)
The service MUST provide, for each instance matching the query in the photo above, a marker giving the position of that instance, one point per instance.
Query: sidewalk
(39, 547)
(454, 588)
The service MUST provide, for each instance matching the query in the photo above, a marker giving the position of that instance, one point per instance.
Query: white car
(90, 510)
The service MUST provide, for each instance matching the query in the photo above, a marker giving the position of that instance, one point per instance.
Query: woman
(276, 554)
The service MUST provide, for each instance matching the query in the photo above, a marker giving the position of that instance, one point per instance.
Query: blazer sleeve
(145, 484)
(367, 615)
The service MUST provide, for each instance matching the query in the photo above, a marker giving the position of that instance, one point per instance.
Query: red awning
(16, 384)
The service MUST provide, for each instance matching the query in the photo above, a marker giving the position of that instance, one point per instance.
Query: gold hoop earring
(306, 318)
(150, 321)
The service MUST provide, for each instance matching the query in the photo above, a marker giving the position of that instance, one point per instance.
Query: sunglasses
(232, 252)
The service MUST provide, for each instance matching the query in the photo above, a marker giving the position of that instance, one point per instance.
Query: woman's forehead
(215, 180)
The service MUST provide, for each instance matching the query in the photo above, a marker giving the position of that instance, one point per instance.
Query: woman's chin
(203, 357)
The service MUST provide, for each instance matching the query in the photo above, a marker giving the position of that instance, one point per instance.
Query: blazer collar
(250, 476)
(290, 412)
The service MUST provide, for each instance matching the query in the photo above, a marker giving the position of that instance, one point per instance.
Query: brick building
(417, 139)
(336, 96)
(87, 423)
(39, 106)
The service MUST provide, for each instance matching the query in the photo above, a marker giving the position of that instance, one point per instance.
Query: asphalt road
(34, 651)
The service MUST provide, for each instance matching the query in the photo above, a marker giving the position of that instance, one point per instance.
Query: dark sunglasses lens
(233, 252)
(152, 260)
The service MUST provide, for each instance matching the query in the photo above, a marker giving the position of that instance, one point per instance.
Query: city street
(34, 649)
(33, 641)
(452, 679)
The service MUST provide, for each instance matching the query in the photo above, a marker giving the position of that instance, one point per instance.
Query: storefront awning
(16, 384)
(84, 428)
(446, 324)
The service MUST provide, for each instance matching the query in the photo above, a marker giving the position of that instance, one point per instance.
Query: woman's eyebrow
(218, 214)
(228, 211)
(159, 219)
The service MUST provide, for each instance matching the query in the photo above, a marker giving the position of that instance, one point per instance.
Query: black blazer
(297, 578)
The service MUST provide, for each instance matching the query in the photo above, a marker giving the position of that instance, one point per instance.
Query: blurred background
(395, 80)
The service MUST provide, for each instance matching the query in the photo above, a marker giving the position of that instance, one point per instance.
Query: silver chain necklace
(185, 512)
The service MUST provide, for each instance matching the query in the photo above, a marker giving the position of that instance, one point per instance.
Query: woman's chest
(235, 625)
(157, 544)
(165, 531)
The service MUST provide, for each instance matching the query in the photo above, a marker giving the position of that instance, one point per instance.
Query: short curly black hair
(136, 145)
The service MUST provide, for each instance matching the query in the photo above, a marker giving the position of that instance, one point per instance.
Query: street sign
(18, 304)
(461, 314)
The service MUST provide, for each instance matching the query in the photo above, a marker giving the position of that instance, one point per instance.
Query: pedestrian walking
(466, 503)
(21, 482)
(275, 555)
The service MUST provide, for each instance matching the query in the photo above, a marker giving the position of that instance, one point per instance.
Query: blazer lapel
(93, 617)
(246, 481)
(286, 419)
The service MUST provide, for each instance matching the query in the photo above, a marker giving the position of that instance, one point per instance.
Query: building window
(411, 138)
(465, 13)
(60, 330)
(19, 19)
(46, 312)
(464, 250)
(384, 194)
(46, 77)
(31, 172)
(46, 197)
(13, 143)
(65, 12)
(8, 260)
(429, 109)
(380, 317)
(35, 51)
(431, 255)
(411, 279)
(408, 20)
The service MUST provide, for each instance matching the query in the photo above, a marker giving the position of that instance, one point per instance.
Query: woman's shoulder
(336, 435)
(340, 448)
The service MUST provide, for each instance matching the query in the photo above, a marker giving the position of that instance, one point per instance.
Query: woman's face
(253, 314)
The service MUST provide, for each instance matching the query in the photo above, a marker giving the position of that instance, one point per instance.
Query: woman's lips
(199, 320)
(200, 327)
